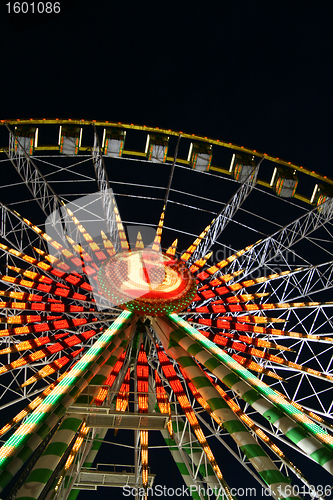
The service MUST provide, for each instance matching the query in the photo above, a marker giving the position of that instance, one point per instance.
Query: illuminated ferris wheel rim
(218, 172)
(168, 132)
(286, 369)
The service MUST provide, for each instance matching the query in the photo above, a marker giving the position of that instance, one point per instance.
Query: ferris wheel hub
(147, 282)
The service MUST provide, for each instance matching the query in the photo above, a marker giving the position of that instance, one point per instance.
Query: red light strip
(235, 286)
(237, 346)
(32, 260)
(253, 319)
(142, 377)
(33, 343)
(144, 457)
(157, 240)
(191, 249)
(31, 406)
(52, 367)
(51, 289)
(41, 278)
(121, 232)
(142, 371)
(24, 318)
(177, 388)
(222, 290)
(163, 401)
(58, 307)
(229, 325)
(255, 367)
(172, 250)
(161, 396)
(78, 262)
(223, 263)
(199, 398)
(207, 293)
(252, 365)
(110, 380)
(245, 339)
(73, 278)
(30, 297)
(123, 395)
(139, 243)
(77, 445)
(48, 326)
(48, 351)
(200, 263)
(92, 244)
(54, 261)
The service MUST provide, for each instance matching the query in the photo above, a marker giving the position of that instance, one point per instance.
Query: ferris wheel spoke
(225, 216)
(284, 421)
(89, 366)
(309, 281)
(274, 245)
(225, 414)
(197, 448)
(38, 186)
(16, 231)
(183, 462)
(104, 188)
(45, 466)
(298, 283)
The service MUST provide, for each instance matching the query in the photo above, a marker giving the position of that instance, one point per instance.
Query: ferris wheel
(162, 283)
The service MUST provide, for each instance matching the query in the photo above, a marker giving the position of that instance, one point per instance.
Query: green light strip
(36, 418)
(237, 430)
(57, 413)
(313, 429)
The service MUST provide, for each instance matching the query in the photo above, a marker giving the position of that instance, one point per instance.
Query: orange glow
(52, 367)
(122, 398)
(186, 406)
(142, 380)
(110, 380)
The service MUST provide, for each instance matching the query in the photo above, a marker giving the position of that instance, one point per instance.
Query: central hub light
(147, 282)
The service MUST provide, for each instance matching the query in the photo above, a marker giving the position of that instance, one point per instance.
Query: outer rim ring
(131, 126)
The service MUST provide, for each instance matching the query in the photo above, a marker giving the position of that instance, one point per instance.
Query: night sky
(254, 73)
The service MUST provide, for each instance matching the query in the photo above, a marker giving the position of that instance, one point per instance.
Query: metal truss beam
(301, 283)
(105, 417)
(90, 478)
(105, 191)
(194, 458)
(16, 231)
(240, 457)
(267, 249)
(226, 214)
(38, 186)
